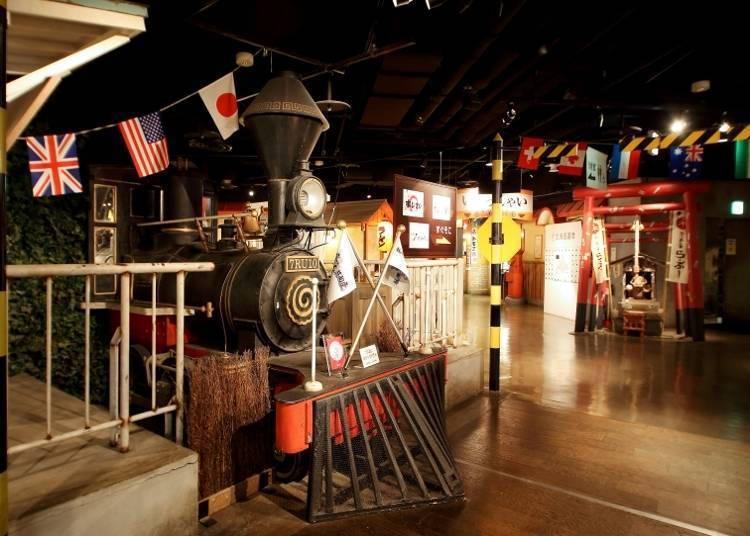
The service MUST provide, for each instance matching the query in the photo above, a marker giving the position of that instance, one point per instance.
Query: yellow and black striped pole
(3, 294)
(496, 273)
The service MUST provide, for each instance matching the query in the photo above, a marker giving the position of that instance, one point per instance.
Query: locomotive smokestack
(285, 124)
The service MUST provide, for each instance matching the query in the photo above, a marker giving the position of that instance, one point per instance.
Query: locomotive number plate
(302, 263)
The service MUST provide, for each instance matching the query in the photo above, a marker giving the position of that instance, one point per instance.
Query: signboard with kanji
(428, 212)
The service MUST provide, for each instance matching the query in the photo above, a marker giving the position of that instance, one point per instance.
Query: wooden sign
(428, 212)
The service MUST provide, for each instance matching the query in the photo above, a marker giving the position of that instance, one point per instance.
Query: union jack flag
(53, 163)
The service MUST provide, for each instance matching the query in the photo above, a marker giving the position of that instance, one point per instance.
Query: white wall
(562, 250)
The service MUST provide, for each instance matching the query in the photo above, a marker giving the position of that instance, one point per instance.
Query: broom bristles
(388, 338)
(227, 392)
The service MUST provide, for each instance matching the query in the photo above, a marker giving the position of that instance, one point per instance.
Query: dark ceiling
(423, 84)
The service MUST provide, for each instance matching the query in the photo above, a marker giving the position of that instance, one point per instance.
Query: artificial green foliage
(49, 230)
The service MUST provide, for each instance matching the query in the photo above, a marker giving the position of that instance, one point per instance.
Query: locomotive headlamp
(307, 196)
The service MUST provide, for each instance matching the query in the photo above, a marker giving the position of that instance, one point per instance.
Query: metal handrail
(119, 380)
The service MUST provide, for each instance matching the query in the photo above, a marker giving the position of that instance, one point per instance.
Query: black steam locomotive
(262, 296)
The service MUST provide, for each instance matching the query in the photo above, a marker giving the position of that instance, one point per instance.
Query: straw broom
(228, 392)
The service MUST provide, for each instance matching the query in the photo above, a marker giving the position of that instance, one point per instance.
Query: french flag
(624, 164)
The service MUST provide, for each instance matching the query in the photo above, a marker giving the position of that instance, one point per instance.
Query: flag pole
(375, 291)
(342, 226)
(313, 384)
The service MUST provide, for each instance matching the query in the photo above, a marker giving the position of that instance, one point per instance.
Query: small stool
(633, 321)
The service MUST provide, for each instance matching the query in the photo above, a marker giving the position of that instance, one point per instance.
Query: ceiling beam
(23, 110)
(105, 17)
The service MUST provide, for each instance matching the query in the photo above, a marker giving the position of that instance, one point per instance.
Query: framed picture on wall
(105, 252)
(105, 203)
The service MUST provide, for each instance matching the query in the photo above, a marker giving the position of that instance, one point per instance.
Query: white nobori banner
(677, 270)
(599, 251)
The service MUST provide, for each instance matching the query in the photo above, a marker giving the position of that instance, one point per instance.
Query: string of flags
(53, 158)
(687, 153)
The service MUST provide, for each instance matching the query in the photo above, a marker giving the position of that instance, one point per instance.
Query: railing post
(459, 303)
(180, 356)
(444, 306)
(124, 362)
(425, 347)
(48, 356)
(153, 341)
(114, 381)
(87, 352)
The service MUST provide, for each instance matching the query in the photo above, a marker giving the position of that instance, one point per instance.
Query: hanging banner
(599, 251)
(596, 169)
(677, 270)
(518, 205)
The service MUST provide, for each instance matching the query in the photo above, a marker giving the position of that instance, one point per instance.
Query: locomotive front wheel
(291, 467)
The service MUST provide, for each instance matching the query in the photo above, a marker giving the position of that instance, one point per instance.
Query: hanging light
(678, 125)
(724, 127)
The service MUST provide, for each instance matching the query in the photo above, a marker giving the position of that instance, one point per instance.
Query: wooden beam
(69, 12)
(23, 110)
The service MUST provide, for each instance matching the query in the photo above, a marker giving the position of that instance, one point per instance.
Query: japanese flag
(221, 101)
(342, 280)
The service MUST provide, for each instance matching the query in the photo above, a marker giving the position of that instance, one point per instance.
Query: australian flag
(53, 163)
(686, 162)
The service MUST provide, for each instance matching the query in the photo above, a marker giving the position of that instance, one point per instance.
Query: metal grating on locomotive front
(382, 446)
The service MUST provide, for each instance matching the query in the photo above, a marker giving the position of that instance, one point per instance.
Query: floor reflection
(696, 387)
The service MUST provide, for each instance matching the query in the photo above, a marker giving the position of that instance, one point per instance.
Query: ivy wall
(49, 230)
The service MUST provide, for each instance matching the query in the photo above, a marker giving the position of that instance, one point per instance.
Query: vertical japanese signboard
(677, 270)
(599, 251)
(428, 211)
(596, 169)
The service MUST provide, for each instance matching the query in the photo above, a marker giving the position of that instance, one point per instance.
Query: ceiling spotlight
(369, 196)
(251, 193)
(553, 168)
(244, 59)
(653, 134)
(700, 86)
(488, 163)
(654, 151)
(318, 163)
(678, 125)
(724, 127)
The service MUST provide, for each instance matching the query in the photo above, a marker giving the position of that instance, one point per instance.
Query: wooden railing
(432, 311)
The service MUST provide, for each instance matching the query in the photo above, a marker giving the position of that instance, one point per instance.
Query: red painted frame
(689, 297)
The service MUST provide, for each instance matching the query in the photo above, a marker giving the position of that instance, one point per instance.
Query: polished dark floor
(591, 434)
(702, 388)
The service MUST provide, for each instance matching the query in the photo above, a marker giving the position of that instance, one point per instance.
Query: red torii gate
(692, 299)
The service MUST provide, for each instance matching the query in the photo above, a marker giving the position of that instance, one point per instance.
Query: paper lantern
(385, 236)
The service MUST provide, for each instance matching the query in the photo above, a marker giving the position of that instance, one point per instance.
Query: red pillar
(584, 268)
(679, 308)
(694, 295)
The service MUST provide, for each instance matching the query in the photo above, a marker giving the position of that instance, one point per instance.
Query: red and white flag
(221, 101)
(573, 163)
(147, 143)
(526, 158)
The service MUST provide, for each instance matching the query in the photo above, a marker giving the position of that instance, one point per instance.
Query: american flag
(53, 163)
(147, 143)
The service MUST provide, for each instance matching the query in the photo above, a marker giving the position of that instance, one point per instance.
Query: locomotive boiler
(258, 296)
